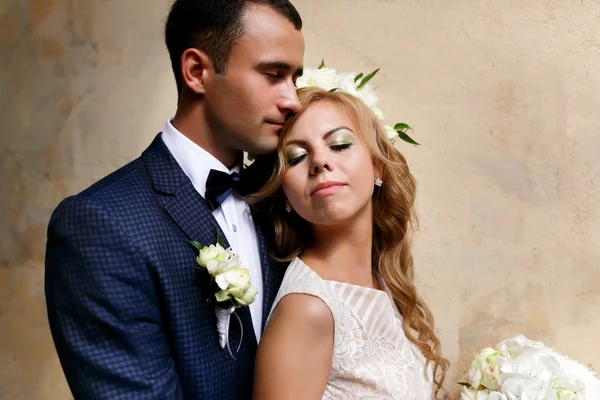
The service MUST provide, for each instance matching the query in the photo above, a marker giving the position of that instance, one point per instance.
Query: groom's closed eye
(279, 70)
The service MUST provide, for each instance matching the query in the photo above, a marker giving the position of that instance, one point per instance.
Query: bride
(347, 321)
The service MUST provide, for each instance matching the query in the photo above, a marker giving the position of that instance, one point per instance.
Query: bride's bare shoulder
(295, 352)
(303, 311)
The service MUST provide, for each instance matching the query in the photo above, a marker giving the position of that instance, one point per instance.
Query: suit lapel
(187, 209)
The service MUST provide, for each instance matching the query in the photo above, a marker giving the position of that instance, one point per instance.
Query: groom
(127, 308)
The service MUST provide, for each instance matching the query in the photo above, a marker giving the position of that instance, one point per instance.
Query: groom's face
(250, 102)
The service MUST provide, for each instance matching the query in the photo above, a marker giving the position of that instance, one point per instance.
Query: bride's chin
(336, 218)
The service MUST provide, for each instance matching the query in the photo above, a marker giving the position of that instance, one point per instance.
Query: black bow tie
(219, 185)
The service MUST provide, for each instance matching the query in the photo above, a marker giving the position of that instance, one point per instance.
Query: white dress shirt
(233, 216)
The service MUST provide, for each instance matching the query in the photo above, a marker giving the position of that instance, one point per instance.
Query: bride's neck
(343, 252)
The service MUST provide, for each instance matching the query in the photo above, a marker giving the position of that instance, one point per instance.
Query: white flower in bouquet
(529, 376)
(469, 394)
(528, 370)
(583, 378)
(485, 369)
(569, 389)
(514, 346)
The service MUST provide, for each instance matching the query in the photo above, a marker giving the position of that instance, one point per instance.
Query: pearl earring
(288, 208)
(378, 182)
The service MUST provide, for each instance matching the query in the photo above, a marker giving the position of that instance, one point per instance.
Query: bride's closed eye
(295, 157)
(338, 141)
(340, 146)
(298, 157)
(341, 140)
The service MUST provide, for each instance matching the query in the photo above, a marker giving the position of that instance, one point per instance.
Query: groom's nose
(289, 102)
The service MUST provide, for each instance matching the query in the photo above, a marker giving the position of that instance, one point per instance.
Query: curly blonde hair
(394, 220)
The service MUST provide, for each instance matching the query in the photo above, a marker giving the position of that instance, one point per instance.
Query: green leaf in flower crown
(402, 135)
(333, 90)
(220, 239)
(358, 77)
(197, 245)
(402, 127)
(322, 65)
(367, 78)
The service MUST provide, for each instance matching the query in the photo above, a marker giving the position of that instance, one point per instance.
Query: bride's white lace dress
(372, 358)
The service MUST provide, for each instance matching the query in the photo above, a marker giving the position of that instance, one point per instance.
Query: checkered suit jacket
(126, 304)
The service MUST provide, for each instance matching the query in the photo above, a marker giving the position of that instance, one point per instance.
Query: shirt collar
(195, 162)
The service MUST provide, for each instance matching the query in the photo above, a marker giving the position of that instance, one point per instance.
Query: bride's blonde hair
(394, 220)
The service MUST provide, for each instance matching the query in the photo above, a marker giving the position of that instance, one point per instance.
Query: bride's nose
(319, 163)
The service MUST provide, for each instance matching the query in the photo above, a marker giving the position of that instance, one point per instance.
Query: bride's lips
(326, 188)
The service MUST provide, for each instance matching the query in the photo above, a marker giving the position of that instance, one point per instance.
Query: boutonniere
(230, 282)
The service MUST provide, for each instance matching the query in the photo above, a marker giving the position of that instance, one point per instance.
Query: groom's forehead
(263, 25)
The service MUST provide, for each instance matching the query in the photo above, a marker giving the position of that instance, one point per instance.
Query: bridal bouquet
(522, 369)
(358, 85)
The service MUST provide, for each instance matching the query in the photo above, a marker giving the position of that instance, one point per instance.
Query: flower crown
(357, 85)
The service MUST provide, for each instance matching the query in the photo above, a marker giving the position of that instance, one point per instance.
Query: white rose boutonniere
(231, 284)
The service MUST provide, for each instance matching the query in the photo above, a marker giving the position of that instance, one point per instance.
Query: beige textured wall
(503, 96)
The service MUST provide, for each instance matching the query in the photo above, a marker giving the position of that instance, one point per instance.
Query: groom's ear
(195, 69)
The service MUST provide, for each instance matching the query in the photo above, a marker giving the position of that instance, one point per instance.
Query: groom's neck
(190, 120)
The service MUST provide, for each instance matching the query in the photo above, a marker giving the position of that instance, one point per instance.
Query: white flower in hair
(357, 85)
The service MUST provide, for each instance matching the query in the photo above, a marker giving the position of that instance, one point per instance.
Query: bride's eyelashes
(341, 146)
(295, 155)
(295, 159)
(339, 141)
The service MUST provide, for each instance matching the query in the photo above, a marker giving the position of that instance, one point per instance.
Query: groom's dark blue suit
(127, 307)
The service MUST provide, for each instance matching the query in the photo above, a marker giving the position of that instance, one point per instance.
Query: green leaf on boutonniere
(367, 78)
(322, 65)
(358, 77)
(220, 239)
(197, 245)
(332, 90)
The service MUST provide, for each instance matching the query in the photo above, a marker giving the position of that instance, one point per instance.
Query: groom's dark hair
(213, 26)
